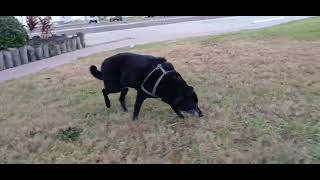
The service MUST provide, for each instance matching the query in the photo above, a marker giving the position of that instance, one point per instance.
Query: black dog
(152, 77)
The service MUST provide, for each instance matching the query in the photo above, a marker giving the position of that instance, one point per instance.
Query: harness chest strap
(154, 89)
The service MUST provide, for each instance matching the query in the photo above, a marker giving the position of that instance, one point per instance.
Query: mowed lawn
(259, 91)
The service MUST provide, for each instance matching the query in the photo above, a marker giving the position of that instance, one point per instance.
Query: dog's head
(187, 101)
(179, 95)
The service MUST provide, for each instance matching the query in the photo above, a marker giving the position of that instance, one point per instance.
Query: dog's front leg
(139, 100)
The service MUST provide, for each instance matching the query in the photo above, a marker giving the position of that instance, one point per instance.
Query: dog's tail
(94, 71)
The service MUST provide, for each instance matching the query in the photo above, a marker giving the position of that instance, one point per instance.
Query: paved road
(186, 29)
(106, 22)
(105, 41)
(105, 26)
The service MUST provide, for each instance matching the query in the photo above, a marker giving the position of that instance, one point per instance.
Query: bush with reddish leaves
(46, 26)
(32, 22)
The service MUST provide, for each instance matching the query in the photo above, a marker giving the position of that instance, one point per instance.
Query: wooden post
(31, 54)
(23, 55)
(45, 47)
(2, 65)
(7, 59)
(69, 44)
(81, 35)
(52, 50)
(58, 49)
(63, 47)
(15, 56)
(39, 52)
(79, 45)
(74, 43)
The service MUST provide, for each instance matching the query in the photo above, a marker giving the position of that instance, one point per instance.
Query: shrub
(12, 33)
(69, 134)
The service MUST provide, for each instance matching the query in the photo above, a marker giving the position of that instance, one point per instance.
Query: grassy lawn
(259, 91)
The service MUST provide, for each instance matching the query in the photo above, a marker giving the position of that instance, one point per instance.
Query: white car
(93, 19)
(115, 18)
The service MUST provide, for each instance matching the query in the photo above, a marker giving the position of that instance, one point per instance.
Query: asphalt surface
(106, 22)
(106, 26)
(155, 33)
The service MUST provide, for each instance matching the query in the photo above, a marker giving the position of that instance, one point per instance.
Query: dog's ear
(162, 59)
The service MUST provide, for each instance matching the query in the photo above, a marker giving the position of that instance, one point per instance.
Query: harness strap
(154, 89)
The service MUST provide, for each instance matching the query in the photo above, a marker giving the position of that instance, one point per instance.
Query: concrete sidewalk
(123, 38)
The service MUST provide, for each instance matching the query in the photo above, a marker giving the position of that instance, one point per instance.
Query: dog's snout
(196, 112)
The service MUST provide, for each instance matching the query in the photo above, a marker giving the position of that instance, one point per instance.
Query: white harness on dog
(154, 89)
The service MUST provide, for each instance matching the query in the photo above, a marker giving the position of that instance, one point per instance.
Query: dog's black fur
(129, 70)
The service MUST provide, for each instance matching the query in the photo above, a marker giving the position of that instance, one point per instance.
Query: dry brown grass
(260, 98)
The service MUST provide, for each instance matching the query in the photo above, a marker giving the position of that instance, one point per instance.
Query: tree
(46, 26)
(12, 33)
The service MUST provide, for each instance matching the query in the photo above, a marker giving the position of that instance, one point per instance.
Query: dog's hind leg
(109, 89)
(106, 98)
(122, 98)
